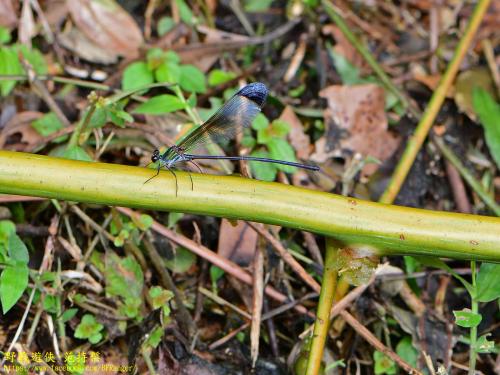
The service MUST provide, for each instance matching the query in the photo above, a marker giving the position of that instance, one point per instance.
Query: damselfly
(236, 114)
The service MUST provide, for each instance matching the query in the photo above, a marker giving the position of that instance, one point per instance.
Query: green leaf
(260, 122)
(280, 149)
(160, 296)
(120, 239)
(192, 79)
(76, 153)
(99, 117)
(488, 112)
(34, 57)
(185, 13)
(280, 128)
(171, 56)
(183, 260)
(160, 104)
(257, 5)
(17, 249)
(483, 345)
(89, 329)
(218, 77)
(47, 124)
(146, 221)
(4, 35)
(405, 350)
(155, 337)
(51, 304)
(69, 314)
(349, 74)
(263, 171)
(9, 64)
(124, 277)
(215, 274)
(165, 24)
(169, 72)
(488, 282)
(13, 283)
(124, 115)
(136, 75)
(7, 228)
(383, 364)
(466, 318)
(173, 218)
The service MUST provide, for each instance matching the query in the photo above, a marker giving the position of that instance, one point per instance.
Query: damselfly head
(155, 156)
(256, 92)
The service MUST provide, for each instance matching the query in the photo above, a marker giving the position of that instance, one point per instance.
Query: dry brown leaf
(76, 41)
(55, 12)
(359, 113)
(21, 123)
(237, 243)
(107, 25)
(298, 139)
(8, 17)
(27, 29)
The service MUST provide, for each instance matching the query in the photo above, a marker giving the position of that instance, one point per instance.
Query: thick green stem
(326, 296)
(473, 330)
(388, 229)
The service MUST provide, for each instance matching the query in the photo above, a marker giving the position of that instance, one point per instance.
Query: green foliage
(192, 79)
(47, 124)
(488, 282)
(488, 111)
(182, 261)
(76, 153)
(263, 171)
(14, 256)
(165, 24)
(160, 298)
(4, 35)
(185, 13)
(161, 104)
(467, 319)
(257, 5)
(136, 75)
(280, 149)
(218, 77)
(124, 279)
(407, 351)
(173, 218)
(383, 364)
(89, 329)
(215, 274)
(10, 63)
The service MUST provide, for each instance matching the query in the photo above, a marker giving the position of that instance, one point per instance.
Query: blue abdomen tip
(257, 92)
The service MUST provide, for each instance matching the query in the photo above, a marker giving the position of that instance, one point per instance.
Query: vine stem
(473, 330)
(385, 229)
(415, 142)
(322, 322)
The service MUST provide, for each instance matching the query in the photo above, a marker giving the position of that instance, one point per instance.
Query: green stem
(473, 330)
(467, 176)
(386, 81)
(64, 80)
(415, 142)
(326, 297)
(388, 229)
(82, 125)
